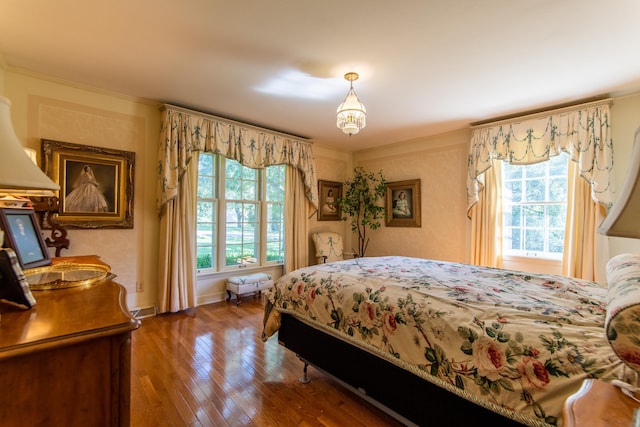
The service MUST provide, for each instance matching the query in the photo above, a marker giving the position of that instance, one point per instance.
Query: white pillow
(622, 323)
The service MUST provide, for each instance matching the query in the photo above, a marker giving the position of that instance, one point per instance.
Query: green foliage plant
(360, 202)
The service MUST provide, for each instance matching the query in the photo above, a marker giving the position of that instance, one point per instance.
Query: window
(534, 208)
(240, 214)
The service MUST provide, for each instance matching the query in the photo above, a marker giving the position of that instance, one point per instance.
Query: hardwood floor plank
(208, 367)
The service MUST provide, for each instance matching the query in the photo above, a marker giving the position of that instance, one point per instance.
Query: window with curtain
(581, 131)
(534, 208)
(240, 214)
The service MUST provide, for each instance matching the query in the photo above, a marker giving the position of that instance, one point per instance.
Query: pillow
(622, 324)
(14, 287)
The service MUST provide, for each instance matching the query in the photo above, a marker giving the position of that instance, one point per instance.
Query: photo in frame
(96, 184)
(14, 287)
(22, 234)
(403, 204)
(329, 192)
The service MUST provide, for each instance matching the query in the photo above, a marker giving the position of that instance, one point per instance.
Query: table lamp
(623, 219)
(19, 176)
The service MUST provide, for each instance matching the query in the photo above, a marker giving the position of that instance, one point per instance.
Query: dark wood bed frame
(403, 395)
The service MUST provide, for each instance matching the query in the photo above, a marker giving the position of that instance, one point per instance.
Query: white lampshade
(623, 219)
(19, 175)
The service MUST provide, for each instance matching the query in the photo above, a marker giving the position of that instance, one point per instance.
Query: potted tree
(360, 203)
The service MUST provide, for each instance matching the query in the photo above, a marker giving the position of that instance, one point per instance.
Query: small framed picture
(329, 192)
(403, 203)
(22, 234)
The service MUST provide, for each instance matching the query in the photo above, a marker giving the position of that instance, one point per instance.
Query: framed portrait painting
(96, 184)
(22, 234)
(329, 192)
(403, 204)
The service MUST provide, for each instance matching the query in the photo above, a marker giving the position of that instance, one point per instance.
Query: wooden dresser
(67, 361)
(599, 404)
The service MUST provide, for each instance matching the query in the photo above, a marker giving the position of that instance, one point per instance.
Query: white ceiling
(426, 66)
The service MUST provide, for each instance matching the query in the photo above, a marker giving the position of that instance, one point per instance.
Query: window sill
(240, 271)
(532, 264)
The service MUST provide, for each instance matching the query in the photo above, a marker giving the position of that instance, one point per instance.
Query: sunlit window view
(535, 208)
(242, 223)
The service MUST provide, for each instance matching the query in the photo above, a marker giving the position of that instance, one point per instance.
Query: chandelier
(352, 116)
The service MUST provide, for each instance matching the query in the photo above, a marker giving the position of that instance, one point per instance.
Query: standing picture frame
(14, 287)
(403, 204)
(96, 184)
(22, 234)
(329, 192)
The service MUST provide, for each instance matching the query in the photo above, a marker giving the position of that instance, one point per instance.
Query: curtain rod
(538, 114)
(234, 122)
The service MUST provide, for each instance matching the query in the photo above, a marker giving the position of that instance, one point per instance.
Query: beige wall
(61, 111)
(440, 164)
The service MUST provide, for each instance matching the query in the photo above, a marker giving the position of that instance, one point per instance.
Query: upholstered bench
(250, 284)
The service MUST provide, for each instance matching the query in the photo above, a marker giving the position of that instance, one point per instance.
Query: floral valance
(583, 133)
(184, 132)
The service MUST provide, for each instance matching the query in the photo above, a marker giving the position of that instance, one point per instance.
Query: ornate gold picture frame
(403, 203)
(96, 184)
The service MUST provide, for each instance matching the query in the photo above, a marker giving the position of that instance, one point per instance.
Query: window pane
(513, 238)
(242, 233)
(275, 213)
(249, 190)
(232, 189)
(557, 216)
(511, 172)
(249, 236)
(241, 182)
(206, 212)
(205, 164)
(204, 258)
(535, 170)
(558, 189)
(275, 183)
(205, 186)
(534, 215)
(515, 219)
(535, 190)
(558, 165)
(556, 241)
(513, 191)
(534, 240)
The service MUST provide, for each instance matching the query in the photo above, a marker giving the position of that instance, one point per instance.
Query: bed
(443, 343)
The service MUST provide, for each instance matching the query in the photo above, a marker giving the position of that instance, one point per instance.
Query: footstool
(250, 284)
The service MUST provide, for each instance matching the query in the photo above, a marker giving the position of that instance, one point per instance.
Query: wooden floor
(209, 367)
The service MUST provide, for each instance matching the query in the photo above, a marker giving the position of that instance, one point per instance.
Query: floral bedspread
(516, 343)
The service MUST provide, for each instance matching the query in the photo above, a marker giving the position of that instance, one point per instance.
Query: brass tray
(65, 275)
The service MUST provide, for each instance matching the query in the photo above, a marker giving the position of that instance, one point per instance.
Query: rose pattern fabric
(515, 342)
(623, 308)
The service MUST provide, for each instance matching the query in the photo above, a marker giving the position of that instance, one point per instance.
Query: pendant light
(352, 116)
